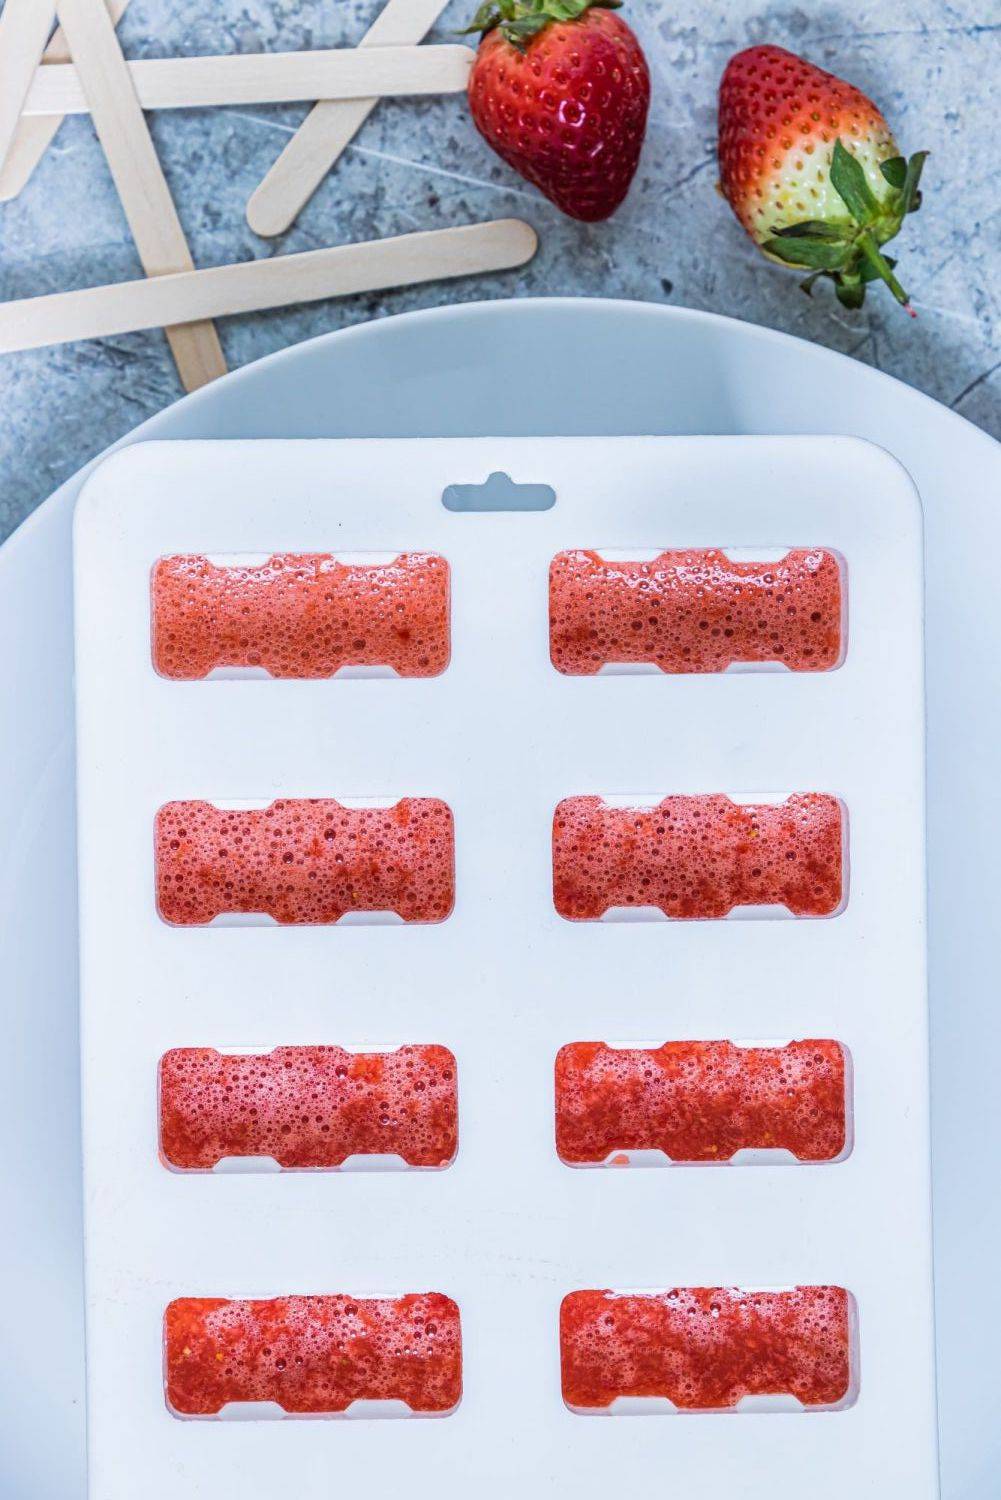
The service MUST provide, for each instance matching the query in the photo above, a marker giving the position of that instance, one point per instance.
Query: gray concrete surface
(930, 65)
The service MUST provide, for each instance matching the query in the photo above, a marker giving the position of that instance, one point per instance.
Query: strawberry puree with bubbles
(305, 861)
(300, 615)
(700, 1101)
(312, 1354)
(698, 856)
(695, 611)
(308, 1106)
(705, 1348)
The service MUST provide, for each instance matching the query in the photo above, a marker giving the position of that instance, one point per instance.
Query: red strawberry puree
(700, 1101)
(704, 1347)
(698, 856)
(312, 1354)
(301, 615)
(695, 611)
(308, 1106)
(305, 861)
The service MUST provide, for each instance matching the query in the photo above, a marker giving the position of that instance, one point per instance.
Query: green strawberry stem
(881, 266)
(520, 20)
(849, 250)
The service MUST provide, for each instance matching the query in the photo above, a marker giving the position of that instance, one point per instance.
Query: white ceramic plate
(542, 367)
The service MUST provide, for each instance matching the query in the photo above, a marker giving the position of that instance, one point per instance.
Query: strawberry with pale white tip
(811, 170)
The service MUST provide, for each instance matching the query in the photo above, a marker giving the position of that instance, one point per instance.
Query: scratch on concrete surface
(977, 381)
(463, 177)
(944, 312)
(263, 121)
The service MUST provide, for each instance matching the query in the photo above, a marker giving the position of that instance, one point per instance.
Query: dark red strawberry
(560, 89)
(811, 170)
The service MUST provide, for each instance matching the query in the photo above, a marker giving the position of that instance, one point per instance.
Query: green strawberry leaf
(486, 18)
(850, 293)
(524, 29)
(819, 255)
(849, 182)
(910, 198)
(894, 170)
(563, 10)
(818, 229)
(520, 20)
(806, 285)
(572, 10)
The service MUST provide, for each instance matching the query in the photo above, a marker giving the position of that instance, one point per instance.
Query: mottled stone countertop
(420, 164)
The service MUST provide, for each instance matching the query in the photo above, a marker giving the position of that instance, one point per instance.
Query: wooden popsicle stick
(220, 291)
(329, 127)
(34, 136)
(266, 78)
(25, 26)
(142, 187)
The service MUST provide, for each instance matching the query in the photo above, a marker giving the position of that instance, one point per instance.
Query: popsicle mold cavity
(300, 615)
(698, 856)
(312, 1355)
(695, 611)
(305, 861)
(707, 1348)
(700, 1101)
(308, 1106)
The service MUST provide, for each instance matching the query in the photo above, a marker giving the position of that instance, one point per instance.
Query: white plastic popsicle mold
(502, 737)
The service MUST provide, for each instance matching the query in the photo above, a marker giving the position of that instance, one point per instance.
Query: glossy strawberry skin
(569, 113)
(779, 117)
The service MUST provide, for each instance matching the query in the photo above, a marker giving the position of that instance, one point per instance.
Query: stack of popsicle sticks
(124, 135)
(83, 70)
(34, 135)
(24, 31)
(330, 126)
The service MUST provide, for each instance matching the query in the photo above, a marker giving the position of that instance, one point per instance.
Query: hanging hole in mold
(499, 492)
